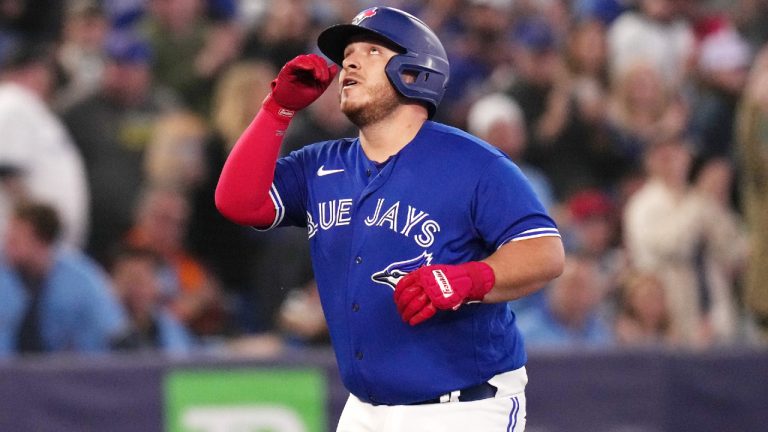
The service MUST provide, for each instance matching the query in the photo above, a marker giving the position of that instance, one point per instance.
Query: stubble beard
(384, 99)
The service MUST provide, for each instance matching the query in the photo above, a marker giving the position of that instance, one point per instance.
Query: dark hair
(25, 54)
(43, 218)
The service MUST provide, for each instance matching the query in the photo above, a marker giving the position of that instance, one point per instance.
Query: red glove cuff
(282, 114)
(483, 279)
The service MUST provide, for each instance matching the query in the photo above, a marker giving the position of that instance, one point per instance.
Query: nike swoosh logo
(324, 172)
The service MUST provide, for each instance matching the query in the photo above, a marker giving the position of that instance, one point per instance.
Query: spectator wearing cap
(111, 128)
(722, 69)
(590, 226)
(52, 299)
(559, 138)
(36, 147)
(498, 119)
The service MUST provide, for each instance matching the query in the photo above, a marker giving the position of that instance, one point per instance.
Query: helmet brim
(334, 40)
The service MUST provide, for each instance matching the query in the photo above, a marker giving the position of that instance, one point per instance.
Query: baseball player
(419, 232)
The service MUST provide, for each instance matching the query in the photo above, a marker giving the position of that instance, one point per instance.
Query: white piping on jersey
(279, 208)
(531, 234)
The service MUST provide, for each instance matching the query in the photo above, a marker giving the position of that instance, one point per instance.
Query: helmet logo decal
(364, 14)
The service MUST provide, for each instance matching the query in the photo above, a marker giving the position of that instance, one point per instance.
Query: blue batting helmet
(420, 51)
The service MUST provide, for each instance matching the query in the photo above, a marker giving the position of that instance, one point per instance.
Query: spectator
(571, 316)
(233, 251)
(585, 53)
(476, 36)
(190, 49)
(676, 233)
(498, 119)
(643, 316)
(237, 97)
(753, 160)
(175, 153)
(262, 277)
(282, 33)
(301, 318)
(558, 136)
(111, 128)
(80, 55)
(36, 145)
(52, 299)
(189, 289)
(35, 21)
(654, 33)
(724, 59)
(642, 110)
(713, 182)
(137, 281)
(591, 226)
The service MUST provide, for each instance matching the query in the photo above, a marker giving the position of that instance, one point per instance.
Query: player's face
(366, 95)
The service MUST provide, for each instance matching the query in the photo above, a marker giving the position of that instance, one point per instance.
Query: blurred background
(642, 125)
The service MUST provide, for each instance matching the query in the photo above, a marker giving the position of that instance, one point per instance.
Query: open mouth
(349, 82)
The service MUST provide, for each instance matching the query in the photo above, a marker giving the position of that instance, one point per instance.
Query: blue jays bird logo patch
(392, 274)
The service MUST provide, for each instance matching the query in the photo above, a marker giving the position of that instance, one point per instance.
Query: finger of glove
(415, 306)
(426, 313)
(402, 285)
(406, 296)
(301, 69)
(320, 69)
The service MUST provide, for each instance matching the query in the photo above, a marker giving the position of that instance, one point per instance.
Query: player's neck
(388, 136)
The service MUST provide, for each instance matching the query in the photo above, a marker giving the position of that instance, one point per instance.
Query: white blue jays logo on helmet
(392, 274)
(363, 15)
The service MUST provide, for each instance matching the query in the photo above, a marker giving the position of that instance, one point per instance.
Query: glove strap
(280, 113)
(483, 279)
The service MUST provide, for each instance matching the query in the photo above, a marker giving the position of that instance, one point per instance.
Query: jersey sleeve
(505, 208)
(289, 192)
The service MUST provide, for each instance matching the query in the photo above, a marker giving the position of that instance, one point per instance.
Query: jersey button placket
(358, 260)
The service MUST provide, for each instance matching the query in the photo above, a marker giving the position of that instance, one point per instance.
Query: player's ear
(409, 76)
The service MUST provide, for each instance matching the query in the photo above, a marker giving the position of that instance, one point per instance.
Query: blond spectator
(643, 315)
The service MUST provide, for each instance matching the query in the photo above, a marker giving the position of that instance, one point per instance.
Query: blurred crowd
(642, 125)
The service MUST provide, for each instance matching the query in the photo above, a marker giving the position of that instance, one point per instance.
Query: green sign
(246, 400)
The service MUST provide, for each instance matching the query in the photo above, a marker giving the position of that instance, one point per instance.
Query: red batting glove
(298, 84)
(419, 294)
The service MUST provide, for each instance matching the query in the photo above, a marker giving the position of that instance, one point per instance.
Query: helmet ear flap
(418, 78)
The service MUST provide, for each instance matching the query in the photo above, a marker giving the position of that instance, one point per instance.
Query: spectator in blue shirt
(51, 298)
(571, 315)
(136, 276)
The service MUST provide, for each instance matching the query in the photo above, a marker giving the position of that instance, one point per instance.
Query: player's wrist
(278, 111)
(483, 279)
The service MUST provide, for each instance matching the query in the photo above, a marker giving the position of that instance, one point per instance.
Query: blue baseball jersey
(445, 198)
